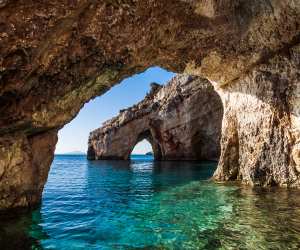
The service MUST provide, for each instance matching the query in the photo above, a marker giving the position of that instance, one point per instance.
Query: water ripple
(147, 205)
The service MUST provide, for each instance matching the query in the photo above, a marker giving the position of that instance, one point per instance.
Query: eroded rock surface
(261, 125)
(57, 55)
(24, 166)
(181, 120)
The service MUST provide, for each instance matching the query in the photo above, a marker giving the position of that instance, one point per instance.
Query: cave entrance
(94, 113)
(146, 144)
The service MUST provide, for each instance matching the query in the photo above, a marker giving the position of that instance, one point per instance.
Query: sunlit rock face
(261, 132)
(181, 120)
(57, 55)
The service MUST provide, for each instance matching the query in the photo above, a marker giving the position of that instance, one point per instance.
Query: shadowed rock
(261, 132)
(181, 120)
(57, 55)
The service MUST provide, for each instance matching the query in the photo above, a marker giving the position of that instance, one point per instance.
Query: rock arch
(57, 55)
(181, 120)
(119, 144)
(157, 154)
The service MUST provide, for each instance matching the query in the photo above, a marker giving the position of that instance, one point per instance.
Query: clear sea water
(144, 204)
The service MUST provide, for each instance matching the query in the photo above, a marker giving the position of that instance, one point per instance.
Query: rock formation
(24, 166)
(261, 129)
(181, 120)
(57, 55)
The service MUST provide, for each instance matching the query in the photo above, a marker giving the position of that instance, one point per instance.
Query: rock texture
(57, 55)
(261, 125)
(24, 166)
(181, 120)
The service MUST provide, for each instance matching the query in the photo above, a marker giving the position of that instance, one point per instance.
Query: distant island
(149, 153)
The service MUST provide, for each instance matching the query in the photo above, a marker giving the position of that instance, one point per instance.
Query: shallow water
(152, 205)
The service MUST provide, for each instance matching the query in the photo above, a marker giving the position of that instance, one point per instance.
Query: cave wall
(57, 55)
(24, 166)
(181, 120)
(260, 130)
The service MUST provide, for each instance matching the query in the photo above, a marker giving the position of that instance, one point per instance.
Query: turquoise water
(152, 205)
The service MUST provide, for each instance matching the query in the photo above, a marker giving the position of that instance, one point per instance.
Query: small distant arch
(147, 135)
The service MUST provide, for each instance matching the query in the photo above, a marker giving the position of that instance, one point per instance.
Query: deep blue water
(143, 204)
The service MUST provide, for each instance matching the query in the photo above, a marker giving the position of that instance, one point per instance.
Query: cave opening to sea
(73, 137)
(147, 201)
(112, 203)
(225, 171)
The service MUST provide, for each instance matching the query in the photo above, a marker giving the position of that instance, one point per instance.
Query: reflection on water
(146, 205)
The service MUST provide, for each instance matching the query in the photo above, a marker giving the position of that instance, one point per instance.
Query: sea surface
(142, 204)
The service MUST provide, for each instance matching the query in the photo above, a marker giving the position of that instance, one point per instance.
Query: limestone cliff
(57, 55)
(261, 125)
(181, 120)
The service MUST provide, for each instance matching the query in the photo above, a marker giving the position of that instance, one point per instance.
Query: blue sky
(74, 135)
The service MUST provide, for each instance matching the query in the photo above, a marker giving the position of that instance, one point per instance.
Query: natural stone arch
(157, 154)
(115, 148)
(182, 121)
(73, 52)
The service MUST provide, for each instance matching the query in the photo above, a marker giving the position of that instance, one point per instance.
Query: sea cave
(233, 106)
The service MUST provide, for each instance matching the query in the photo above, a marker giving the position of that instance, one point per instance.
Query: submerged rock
(181, 120)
